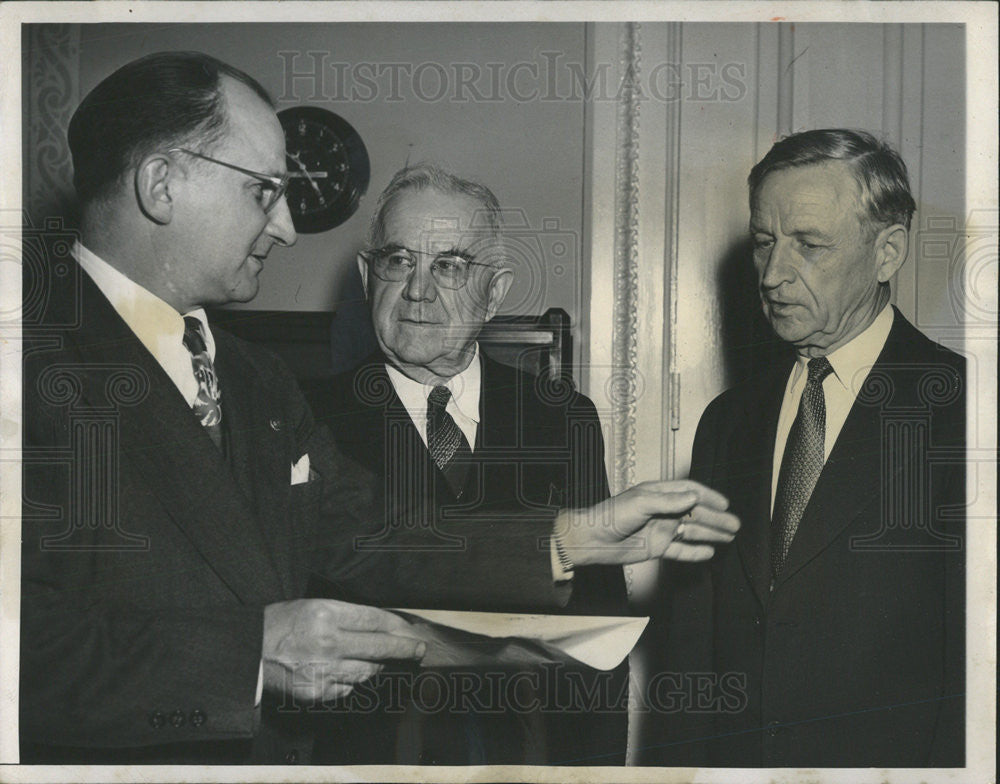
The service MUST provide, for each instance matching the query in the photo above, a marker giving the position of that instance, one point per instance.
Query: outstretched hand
(677, 519)
(319, 649)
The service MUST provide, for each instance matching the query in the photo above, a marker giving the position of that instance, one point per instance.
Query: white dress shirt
(463, 406)
(851, 364)
(158, 326)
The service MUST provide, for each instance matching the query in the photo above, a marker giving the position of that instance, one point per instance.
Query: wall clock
(329, 167)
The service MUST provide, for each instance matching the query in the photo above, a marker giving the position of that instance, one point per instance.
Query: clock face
(329, 168)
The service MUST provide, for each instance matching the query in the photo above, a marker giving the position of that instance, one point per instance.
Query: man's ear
(152, 187)
(363, 271)
(499, 286)
(891, 246)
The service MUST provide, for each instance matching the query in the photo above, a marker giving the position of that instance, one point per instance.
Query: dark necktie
(445, 440)
(801, 464)
(208, 405)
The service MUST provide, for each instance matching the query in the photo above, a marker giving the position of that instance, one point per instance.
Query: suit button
(197, 718)
(157, 719)
(773, 727)
(177, 718)
(292, 757)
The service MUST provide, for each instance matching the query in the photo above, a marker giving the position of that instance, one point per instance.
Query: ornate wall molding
(53, 92)
(626, 258)
(671, 269)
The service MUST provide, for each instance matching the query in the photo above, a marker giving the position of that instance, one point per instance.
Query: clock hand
(307, 174)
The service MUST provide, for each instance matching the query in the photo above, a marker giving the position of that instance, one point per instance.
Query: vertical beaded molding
(626, 259)
(671, 377)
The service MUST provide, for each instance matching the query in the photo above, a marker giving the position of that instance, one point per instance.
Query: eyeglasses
(272, 188)
(394, 264)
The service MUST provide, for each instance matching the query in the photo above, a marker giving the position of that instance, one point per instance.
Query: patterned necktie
(445, 439)
(801, 464)
(208, 405)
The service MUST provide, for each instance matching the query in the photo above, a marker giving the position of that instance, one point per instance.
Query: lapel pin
(275, 425)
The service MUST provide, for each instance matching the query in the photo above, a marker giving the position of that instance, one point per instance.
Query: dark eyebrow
(815, 233)
(389, 247)
(462, 254)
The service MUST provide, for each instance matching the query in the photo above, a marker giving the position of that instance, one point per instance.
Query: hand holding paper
(680, 520)
(318, 649)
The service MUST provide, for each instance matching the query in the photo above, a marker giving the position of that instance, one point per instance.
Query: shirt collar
(465, 389)
(157, 325)
(852, 361)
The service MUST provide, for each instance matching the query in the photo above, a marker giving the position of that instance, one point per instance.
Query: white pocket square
(300, 470)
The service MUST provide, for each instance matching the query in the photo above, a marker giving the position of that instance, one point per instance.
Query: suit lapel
(497, 428)
(851, 477)
(238, 411)
(178, 461)
(262, 474)
(845, 487)
(403, 438)
(376, 400)
(753, 452)
(392, 431)
(390, 446)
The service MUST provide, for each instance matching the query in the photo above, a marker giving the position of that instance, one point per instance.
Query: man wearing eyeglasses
(174, 474)
(475, 459)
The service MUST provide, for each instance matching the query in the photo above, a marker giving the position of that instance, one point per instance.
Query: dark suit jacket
(856, 658)
(539, 447)
(148, 556)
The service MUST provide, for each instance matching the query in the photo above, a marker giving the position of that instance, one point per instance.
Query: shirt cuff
(260, 684)
(560, 574)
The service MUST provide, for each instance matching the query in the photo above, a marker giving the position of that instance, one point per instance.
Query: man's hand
(681, 520)
(318, 649)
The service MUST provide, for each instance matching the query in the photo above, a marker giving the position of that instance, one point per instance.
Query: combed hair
(877, 168)
(422, 176)
(163, 100)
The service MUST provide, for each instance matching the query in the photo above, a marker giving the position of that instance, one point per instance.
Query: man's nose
(420, 286)
(280, 225)
(777, 267)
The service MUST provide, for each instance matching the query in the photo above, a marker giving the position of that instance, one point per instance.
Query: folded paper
(481, 638)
